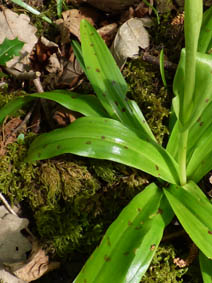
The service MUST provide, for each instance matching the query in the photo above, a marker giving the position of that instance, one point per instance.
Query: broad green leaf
(13, 106)
(130, 242)
(206, 268)
(203, 91)
(107, 80)
(194, 211)
(205, 38)
(173, 142)
(9, 48)
(105, 138)
(200, 162)
(88, 105)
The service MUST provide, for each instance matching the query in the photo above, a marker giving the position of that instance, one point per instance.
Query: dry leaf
(73, 17)
(131, 36)
(37, 265)
(12, 26)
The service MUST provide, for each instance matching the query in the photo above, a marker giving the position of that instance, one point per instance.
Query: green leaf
(13, 106)
(206, 268)
(105, 138)
(107, 80)
(130, 242)
(203, 91)
(78, 53)
(194, 211)
(31, 10)
(205, 38)
(88, 105)
(162, 70)
(59, 7)
(9, 48)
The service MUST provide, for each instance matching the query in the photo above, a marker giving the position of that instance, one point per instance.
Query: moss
(146, 89)
(162, 268)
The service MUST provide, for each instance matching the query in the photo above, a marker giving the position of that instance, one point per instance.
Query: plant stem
(182, 156)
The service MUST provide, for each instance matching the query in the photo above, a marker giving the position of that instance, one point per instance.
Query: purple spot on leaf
(126, 253)
(201, 123)
(209, 232)
(123, 109)
(97, 70)
(157, 168)
(103, 137)
(206, 100)
(88, 142)
(129, 223)
(160, 211)
(107, 258)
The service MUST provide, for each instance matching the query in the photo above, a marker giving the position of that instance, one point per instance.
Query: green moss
(162, 268)
(146, 89)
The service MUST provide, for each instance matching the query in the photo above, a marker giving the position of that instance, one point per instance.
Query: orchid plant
(114, 128)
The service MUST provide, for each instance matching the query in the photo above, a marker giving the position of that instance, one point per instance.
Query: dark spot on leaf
(207, 30)
(160, 211)
(108, 242)
(123, 109)
(139, 209)
(97, 70)
(85, 281)
(39, 154)
(152, 247)
(104, 94)
(91, 44)
(201, 123)
(113, 82)
(129, 223)
(116, 103)
(107, 258)
(158, 175)
(209, 232)
(73, 97)
(157, 168)
(105, 121)
(16, 248)
(94, 54)
(144, 121)
(91, 34)
(126, 99)
(206, 100)
(88, 67)
(142, 222)
(103, 137)
(88, 142)
(58, 146)
(126, 147)
(198, 120)
(44, 146)
(126, 253)
(137, 227)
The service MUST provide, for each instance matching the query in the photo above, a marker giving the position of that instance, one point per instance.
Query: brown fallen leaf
(73, 17)
(36, 265)
(12, 26)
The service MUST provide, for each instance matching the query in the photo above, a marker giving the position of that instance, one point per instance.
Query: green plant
(115, 129)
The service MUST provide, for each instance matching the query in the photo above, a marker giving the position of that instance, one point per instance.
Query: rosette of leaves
(114, 128)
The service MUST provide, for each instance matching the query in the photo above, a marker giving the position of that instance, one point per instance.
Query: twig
(22, 76)
(156, 61)
(6, 204)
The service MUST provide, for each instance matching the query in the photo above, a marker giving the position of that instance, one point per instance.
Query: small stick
(156, 61)
(6, 204)
(23, 76)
